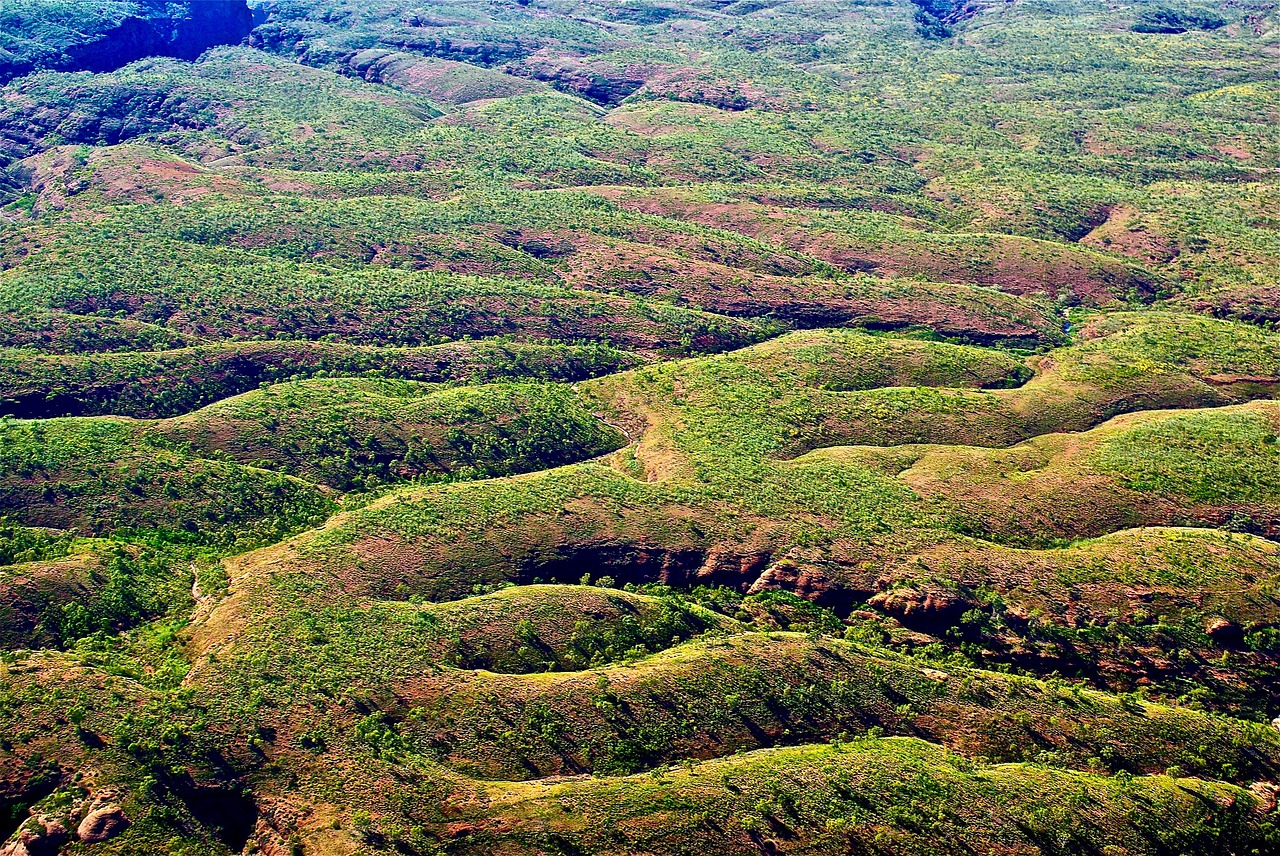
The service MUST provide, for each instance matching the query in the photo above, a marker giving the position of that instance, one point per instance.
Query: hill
(648, 427)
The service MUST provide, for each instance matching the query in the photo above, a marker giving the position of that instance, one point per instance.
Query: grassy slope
(671, 180)
(180, 380)
(346, 433)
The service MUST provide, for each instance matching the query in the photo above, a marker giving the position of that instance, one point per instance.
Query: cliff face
(208, 23)
(116, 33)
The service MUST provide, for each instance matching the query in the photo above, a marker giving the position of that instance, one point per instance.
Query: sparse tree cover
(663, 427)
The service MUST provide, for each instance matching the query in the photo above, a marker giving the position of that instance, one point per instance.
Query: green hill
(652, 427)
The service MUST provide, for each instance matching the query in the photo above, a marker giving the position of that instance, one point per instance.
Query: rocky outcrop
(600, 81)
(810, 583)
(102, 823)
(127, 32)
(1225, 633)
(1266, 794)
(441, 80)
(931, 610)
(39, 837)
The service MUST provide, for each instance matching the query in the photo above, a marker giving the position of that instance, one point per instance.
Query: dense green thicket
(772, 426)
(173, 382)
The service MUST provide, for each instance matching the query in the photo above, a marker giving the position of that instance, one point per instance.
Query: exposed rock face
(102, 823)
(630, 564)
(1224, 632)
(929, 610)
(725, 566)
(42, 838)
(129, 32)
(603, 82)
(441, 80)
(810, 583)
(1266, 794)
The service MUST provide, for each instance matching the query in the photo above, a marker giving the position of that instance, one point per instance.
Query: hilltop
(648, 427)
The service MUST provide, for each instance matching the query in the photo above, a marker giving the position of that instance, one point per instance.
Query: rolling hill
(656, 427)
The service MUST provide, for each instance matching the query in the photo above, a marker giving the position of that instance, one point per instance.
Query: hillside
(654, 427)
(103, 35)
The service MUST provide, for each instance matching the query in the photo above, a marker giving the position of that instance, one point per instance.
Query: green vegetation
(651, 427)
(1174, 21)
(1208, 457)
(346, 433)
(97, 478)
(178, 381)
